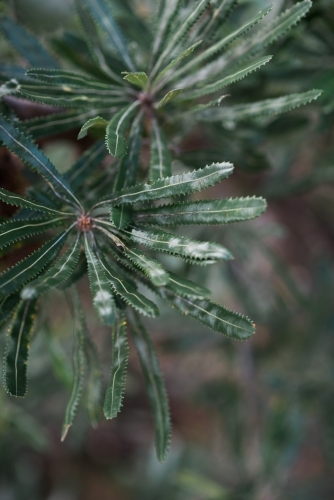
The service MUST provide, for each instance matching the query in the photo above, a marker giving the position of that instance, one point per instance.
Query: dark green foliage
(126, 100)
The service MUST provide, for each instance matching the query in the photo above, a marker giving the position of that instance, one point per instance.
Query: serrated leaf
(150, 267)
(160, 159)
(86, 165)
(268, 107)
(202, 212)
(79, 271)
(180, 32)
(186, 287)
(102, 14)
(128, 292)
(221, 44)
(164, 20)
(175, 61)
(100, 286)
(23, 202)
(26, 44)
(121, 217)
(119, 361)
(78, 372)
(17, 349)
(180, 246)
(176, 185)
(274, 30)
(94, 43)
(227, 80)
(127, 172)
(71, 79)
(170, 96)
(97, 122)
(8, 306)
(67, 96)
(17, 230)
(215, 316)
(24, 148)
(55, 275)
(116, 128)
(25, 270)
(94, 379)
(139, 79)
(155, 387)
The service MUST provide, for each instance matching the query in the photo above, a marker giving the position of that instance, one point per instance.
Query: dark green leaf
(97, 122)
(16, 276)
(155, 387)
(119, 361)
(8, 306)
(78, 371)
(26, 44)
(178, 245)
(59, 273)
(21, 201)
(176, 185)
(24, 148)
(160, 160)
(215, 316)
(17, 349)
(202, 212)
(17, 230)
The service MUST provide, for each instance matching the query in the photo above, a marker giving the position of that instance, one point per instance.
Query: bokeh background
(251, 420)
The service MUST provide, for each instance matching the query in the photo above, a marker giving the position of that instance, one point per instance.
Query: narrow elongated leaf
(155, 387)
(8, 306)
(78, 373)
(86, 165)
(101, 12)
(93, 388)
(115, 141)
(119, 361)
(24, 148)
(178, 245)
(175, 61)
(202, 212)
(128, 292)
(160, 161)
(139, 79)
(94, 43)
(100, 286)
(176, 185)
(97, 122)
(16, 276)
(170, 96)
(186, 288)
(213, 315)
(227, 80)
(150, 267)
(26, 44)
(67, 96)
(17, 230)
(164, 20)
(221, 44)
(127, 172)
(71, 79)
(274, 30)
(180, 32)
(55, 275)
(17, 349)
(23, 202)
(268, 107)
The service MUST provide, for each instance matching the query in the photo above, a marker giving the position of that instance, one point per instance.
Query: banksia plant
(107, 222)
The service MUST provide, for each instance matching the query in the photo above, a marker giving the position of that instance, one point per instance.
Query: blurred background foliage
(253, 420)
